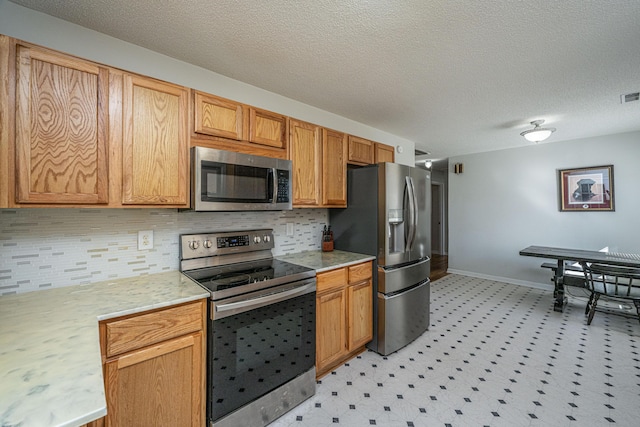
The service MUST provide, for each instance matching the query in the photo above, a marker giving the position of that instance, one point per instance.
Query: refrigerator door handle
(413, 213)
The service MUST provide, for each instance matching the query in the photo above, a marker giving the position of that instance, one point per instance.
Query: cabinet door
(305, 154)
(331, 327)
(155, 142)
(217, 116)
(360, 314)
(160, 385)
(384, 153)
(61, 128)
(334, 168)
(267, 128)
(360, 151)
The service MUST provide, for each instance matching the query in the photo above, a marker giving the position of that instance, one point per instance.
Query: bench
(573, 275)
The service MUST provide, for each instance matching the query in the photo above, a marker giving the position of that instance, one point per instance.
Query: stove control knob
(256, 239)
(267, 238)
(194, 244)
(207, 244)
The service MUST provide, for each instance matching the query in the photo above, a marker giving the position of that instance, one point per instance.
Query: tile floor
(496, 354)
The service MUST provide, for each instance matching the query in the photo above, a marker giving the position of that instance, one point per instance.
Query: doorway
(437, 219)
(439, 258)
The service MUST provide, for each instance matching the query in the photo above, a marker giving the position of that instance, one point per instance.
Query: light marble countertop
(50, 363)
(323, 261)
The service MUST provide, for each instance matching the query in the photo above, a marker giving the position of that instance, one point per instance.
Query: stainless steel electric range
(261, 328)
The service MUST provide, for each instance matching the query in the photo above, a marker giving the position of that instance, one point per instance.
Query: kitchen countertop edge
(324, 261)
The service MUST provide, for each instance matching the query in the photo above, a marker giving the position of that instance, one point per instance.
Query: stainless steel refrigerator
(388, 215)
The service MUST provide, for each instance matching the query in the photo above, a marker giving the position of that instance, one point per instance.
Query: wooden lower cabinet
(344, 315)
(331, 328)
(161, 381)
(360, 314)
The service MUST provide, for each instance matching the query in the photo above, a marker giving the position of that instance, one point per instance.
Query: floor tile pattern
(496, 354)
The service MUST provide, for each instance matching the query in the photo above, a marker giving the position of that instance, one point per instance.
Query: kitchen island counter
(50, 361)
(324, 261)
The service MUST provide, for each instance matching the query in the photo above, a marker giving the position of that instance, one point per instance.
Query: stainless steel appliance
(261, 329)
(228, 181)
(388, 215)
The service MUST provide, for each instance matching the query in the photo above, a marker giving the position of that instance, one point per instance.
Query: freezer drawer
(402, 317)
(392, 280)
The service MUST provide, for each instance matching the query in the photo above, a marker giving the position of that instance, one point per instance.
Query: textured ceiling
(454, 76)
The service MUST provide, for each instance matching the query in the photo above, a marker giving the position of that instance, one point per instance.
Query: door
(402, 212)
(436, 219)
(61, 128)
(360, 313)
(256, 349)
(305, 147)
(331, 335)
(159, 385)
(155, 142)
(421, 246)
(334, 168)
(402, 317)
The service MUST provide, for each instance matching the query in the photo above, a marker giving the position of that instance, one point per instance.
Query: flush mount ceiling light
(537, 134)
(428, 164)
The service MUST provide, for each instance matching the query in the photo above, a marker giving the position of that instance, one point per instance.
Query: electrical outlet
(290, 229)
(145, 240)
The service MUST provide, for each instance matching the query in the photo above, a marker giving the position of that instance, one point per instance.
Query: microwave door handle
(272, 186)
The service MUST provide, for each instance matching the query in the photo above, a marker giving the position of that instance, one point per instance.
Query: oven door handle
(229, 309)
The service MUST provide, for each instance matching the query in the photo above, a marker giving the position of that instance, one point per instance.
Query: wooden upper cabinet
(267, 128)
(361, 151)
(384, 153)
(217, 116)
(61, 128)
(155, 142)
(334, 168)
(305, 151)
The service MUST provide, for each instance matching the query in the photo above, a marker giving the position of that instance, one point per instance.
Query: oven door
(257, 343)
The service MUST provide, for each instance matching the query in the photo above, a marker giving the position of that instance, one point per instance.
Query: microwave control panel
(283, 194)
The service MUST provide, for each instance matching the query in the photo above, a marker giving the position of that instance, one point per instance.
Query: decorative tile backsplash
(45, 248)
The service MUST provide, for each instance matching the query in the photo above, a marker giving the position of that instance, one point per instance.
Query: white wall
(508, 200)
(26, 24)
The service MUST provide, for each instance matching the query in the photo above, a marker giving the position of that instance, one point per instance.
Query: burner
(224, 281)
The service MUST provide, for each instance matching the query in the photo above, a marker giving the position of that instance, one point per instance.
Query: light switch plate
(145, 240)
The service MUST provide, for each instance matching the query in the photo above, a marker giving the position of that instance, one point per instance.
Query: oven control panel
(225, 243)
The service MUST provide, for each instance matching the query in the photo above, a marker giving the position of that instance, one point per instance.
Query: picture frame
(586, 189)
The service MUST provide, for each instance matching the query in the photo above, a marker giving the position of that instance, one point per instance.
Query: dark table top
(627, 260)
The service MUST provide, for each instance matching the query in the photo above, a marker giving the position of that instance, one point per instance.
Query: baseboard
(502, 279)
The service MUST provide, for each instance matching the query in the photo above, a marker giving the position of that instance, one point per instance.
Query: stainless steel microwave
(228, 181)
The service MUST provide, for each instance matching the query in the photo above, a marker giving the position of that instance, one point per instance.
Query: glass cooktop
(233, 279)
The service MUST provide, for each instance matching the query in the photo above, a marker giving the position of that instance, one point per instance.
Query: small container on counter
(327, 239)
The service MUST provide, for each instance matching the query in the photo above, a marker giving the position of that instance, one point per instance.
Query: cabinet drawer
(360, 272)
(146, 329)
(331, 279)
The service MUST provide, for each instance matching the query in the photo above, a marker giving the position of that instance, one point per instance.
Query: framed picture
(586, 189)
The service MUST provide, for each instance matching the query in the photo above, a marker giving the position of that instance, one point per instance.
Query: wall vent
(421, 153)
(629, 97)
